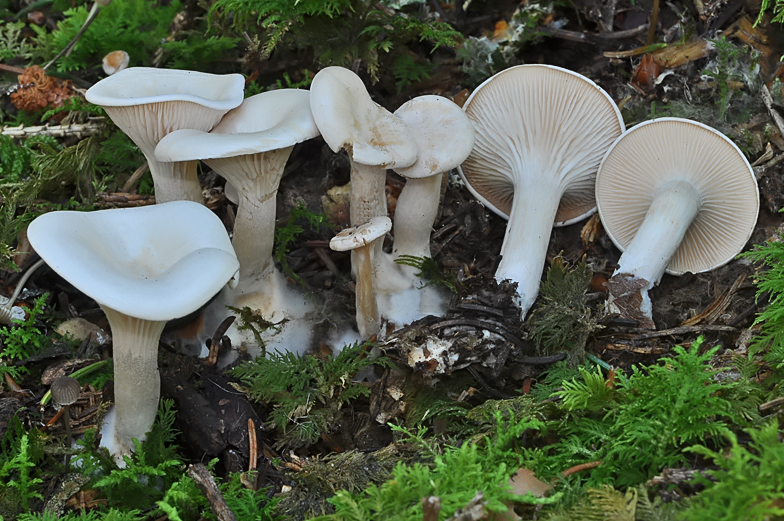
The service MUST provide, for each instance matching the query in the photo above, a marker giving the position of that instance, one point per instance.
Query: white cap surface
(443, 133)
(156, 262)
(268, 121)
(141, 85)
(669, 149)
(359, 236)
(349, 119)
(539, 120)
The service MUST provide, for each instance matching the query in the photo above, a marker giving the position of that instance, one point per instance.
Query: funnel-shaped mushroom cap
(348, 118)
(539, 120)
(664, 150)
(155, 263)
(363, 235)
(140, 85)
(443, 133)
(268, 121)
(193, 100)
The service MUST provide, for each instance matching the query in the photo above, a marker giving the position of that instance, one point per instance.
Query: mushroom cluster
(424, 138)
(674, 195)
(539, 145)
(249, 148)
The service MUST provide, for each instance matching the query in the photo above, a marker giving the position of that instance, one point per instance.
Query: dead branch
(206, 483)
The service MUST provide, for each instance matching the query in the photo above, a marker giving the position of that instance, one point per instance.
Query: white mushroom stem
(368, 192)
(368, 320)
(367, 200)
(417, 207)
(675, 205)
(524, 250)
(147, 124)
(175, 181)
(137, 385)
(254, 233)
(256, 178)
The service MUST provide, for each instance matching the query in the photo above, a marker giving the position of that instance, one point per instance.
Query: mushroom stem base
(527, 237)
(673, 208)
(137, 385)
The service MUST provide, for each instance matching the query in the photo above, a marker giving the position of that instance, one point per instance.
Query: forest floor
(716, 67)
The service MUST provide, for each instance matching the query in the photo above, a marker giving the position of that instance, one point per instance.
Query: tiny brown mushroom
(65, 392)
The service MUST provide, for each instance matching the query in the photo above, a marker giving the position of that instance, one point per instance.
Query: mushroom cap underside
(443, 133)
(156, 263)
(268, 121)
(669, 149)
(141, 85)
(349, 119)
(539, 120)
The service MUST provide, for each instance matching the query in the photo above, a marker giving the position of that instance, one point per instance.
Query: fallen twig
(79, 130)
(685, 330)
(206, 483)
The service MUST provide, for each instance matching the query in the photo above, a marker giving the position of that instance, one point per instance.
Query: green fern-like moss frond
(562, 319)
(307, 393)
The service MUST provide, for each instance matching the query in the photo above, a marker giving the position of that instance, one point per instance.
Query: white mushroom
(444, 137)
(674, 195)
(541, 132)
(360, 241)
(374, 139)
(148, 103)
(250, 147)
(143, 266)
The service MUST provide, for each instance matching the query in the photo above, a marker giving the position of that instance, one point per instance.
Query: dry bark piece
(674, 195)
(676, 55)
(541, 132)
(206, 483)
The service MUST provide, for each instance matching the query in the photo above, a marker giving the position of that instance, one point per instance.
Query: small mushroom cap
(268, 121)
(140, 85)
(115, 61)
(348, 118)
(156, 262)
(362, 235)
(667, 149)
(536, 120)
(65, 390)
(442, 131)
